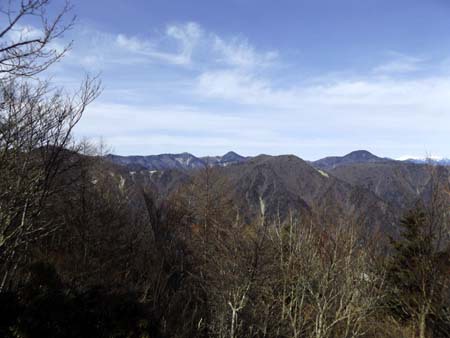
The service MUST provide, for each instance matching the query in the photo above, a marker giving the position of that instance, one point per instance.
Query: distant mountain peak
(232, 156)
(231, 153)
(361, 154)
(357, 156)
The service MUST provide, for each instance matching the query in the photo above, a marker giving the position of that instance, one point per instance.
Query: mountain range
(187, 161)
(375, 190)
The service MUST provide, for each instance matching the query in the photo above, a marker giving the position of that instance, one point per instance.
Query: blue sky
(307, 77)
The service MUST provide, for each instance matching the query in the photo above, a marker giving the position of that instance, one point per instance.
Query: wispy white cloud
(187, 36)
(239, 53)
(185, 44)
(426, 94)
(238, 87)
(399, 64)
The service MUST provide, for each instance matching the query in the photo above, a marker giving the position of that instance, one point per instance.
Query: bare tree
(327, 286)
(27, 49)
(36, 126)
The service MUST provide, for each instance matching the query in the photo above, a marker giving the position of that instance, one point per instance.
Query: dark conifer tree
(418, 275)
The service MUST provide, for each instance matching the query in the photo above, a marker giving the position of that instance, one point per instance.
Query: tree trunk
(233, 322)
(422, 324)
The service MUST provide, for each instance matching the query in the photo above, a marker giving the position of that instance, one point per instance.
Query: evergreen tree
(418, 275)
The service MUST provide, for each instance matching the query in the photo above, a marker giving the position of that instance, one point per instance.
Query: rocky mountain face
(281, 186)
(373, 190)
(183, 161)
(158, 162)
(401, 184)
